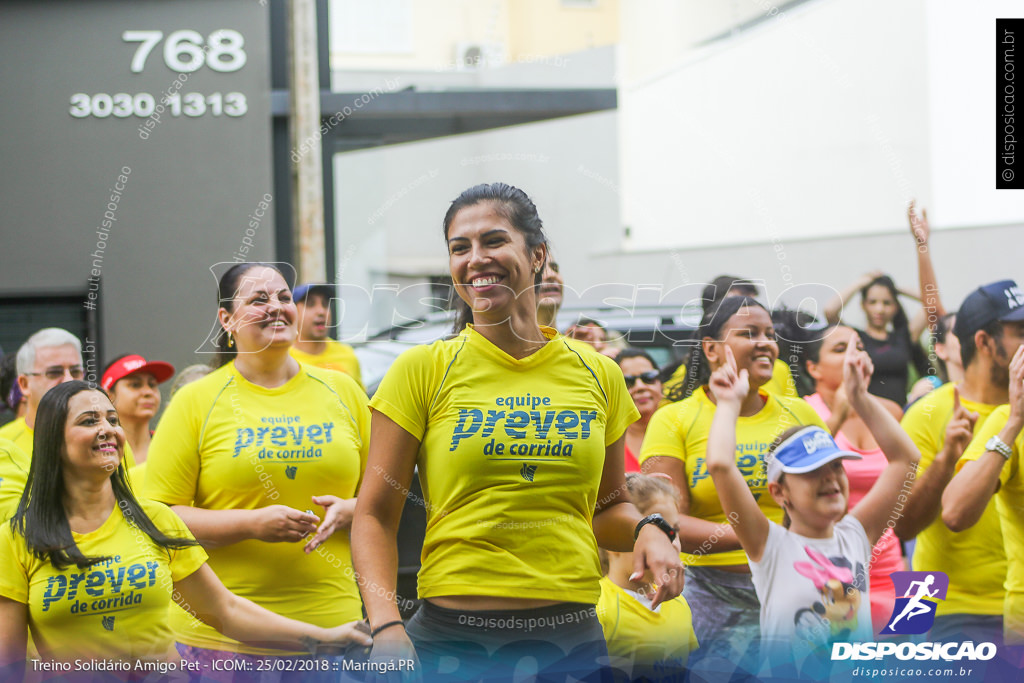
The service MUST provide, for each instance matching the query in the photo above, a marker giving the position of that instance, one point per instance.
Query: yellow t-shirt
(781, 383)
(646, 638)
(116, 609)
(137, 475)
(336, 356)
(510, 459)
(974, 559)
(581, 346)
(1010, 506)
(680, 430)
(226, 444)
(18, 432)
(14, 465)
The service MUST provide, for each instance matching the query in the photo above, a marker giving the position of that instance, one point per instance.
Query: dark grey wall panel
(195, 180)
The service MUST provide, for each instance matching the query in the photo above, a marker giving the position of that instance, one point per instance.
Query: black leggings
(551, 643)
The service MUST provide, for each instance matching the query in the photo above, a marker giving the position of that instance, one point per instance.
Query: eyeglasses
(649, 377)
(57, 372)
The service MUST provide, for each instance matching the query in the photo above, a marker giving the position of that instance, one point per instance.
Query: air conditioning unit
(476, 55)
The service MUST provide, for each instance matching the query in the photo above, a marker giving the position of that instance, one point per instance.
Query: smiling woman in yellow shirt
(244, 454)
(518, 437)
(90, 571)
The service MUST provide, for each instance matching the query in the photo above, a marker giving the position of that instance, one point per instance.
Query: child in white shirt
(811, 573)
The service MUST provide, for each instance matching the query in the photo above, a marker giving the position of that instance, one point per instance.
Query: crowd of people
(590, 516)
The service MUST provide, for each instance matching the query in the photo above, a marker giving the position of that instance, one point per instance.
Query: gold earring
(231, 340)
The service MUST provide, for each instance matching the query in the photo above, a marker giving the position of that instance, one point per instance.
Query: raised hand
(1017, 385)
(857, 370)
(960, 428)
(841, 402)
(918, 225)
(726, 384)
(868, 277)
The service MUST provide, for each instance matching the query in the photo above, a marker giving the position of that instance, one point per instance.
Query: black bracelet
(658, 521)
(374, 632)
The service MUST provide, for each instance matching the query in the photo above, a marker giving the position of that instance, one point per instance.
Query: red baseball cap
(129, 365)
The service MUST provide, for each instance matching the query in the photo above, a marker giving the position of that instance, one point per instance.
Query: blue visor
(805, 451)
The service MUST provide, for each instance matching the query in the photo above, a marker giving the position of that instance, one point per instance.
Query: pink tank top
(632, 464)
(862, 475)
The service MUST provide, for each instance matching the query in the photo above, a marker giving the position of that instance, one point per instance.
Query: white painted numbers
(185, 52)
(122, 105)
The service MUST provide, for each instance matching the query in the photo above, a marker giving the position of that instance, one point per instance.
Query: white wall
(961, 82)
(390, 203)
(787, 152)
(411, 34)
(964, 259)
(664, 31)
(594, 68)
(813, 123)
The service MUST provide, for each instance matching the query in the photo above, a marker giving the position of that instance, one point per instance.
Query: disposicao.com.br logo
(914, 614)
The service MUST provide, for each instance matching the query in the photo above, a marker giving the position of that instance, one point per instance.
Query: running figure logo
(914, 612)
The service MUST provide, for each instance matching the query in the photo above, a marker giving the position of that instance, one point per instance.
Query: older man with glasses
(50, 357)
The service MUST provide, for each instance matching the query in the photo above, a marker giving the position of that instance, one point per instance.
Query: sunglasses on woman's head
(649, 377)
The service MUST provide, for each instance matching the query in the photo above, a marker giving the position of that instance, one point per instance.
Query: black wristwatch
(658, 521)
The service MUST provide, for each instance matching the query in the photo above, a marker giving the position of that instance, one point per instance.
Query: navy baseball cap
(1001, 301)
(300, 293)
(805, 451)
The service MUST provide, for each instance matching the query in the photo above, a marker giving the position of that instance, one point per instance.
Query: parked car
(664, 332)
